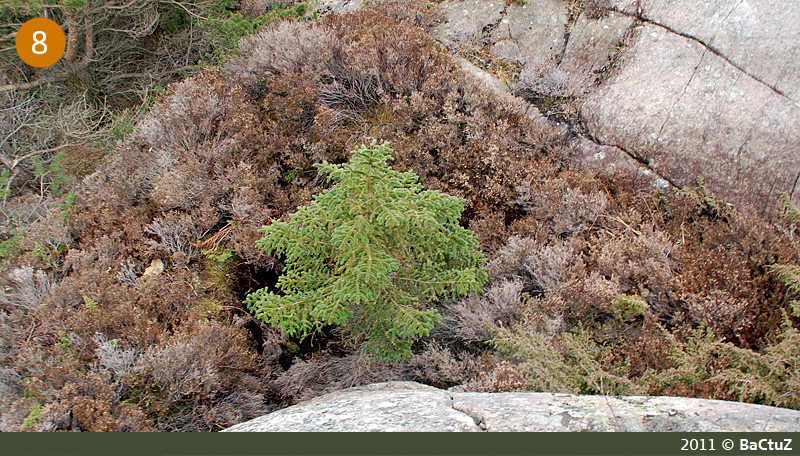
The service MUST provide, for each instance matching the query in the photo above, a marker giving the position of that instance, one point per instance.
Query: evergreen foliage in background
(371, 253)
(789, 274)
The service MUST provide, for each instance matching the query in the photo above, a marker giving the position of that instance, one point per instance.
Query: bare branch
(180, 4)
(31, 85)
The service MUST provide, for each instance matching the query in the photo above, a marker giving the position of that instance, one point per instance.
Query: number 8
(37, 42)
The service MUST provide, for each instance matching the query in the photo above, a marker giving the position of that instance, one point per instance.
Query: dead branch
(31, 85)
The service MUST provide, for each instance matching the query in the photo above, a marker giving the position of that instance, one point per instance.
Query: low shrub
(660, 298)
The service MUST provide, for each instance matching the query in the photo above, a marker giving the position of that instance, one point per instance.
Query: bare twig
(31, 85)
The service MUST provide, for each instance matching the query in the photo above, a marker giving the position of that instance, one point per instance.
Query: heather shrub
(415, 12)
(113, 356)
(24, 288)
(327, 371)
(567, 210)
(495, 376)
(548, 81)
(174, 232)
(468, 318)
(705, 366)
(732, 258)
(650, 304)
(771, 377)
(440, 366)
(197, 380)
(574, 363)
(541, 268)
(289, 47)
(789, 274)
(640, 260)
(324, 373)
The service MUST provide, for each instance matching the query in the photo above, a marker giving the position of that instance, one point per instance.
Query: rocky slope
(681, 88)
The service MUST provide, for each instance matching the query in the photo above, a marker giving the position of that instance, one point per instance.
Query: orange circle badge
(40, 42)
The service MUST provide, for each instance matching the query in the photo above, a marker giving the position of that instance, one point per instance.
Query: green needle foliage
(787, 273)
(371, 254)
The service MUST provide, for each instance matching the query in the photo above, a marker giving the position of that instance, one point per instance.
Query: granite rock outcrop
(679, 89)
(412, 407)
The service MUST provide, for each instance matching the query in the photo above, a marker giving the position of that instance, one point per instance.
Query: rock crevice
(758, 37)
(643, 18)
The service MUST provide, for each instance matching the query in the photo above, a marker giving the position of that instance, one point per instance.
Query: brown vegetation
(91, 342)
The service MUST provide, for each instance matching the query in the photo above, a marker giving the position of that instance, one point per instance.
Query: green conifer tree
(371, 253)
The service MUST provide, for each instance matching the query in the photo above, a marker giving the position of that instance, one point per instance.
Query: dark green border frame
(386, 444)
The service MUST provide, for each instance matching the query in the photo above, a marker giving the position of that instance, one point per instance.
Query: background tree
(118, 54)
(116, 51)
(119, 51)
(372, 254)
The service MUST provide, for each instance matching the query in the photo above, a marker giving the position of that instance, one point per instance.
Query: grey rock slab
(499, 90)
(536, 412)
(762, 37)
(465, 20)
(9, 384)
(530, 34)
(392, 406)
(632, 7)
(688, 112)
(409, 406)
(590, 46)
(493, 85)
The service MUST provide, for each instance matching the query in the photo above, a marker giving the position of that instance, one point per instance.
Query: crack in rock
(794, 186)
(527, 107)
(409, 406)
(476, 416)
(678, 98)
(642, 162)
(488, 28)
(642, 17)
